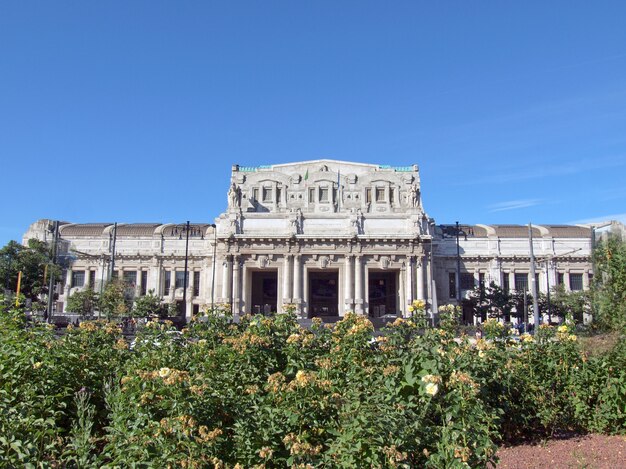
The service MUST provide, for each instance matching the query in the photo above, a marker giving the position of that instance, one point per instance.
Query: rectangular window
(452, 285)
(180, 279)
(391, 196)
(267, 194)
(380, 194)
(506, 284)
(130, 278)
(196, 284)
(560, 278)
(576, 282)
(312, 195)
(115, 275)
(467, 281)
(323, 194)
(481, 280)
(144, 282)
(521, 282)
(92, 279)
(368, 196)
(168, 282)
(78, 278)
(255, 194)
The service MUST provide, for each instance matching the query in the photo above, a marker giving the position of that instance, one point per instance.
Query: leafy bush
(266, 392)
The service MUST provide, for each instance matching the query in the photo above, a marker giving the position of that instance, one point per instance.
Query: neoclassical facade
(324, 236)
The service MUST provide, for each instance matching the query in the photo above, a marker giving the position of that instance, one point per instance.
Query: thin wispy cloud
(621, 217)
(537, 172)
(513, 205)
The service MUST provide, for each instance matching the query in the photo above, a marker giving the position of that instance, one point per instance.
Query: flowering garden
(267, 393)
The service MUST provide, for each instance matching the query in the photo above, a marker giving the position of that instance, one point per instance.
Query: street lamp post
(188, 230)
(55, 231)
(214, 226)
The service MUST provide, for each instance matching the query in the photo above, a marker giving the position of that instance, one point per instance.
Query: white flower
(164, 372)
(431, 389)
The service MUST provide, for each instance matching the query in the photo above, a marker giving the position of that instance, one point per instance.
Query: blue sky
(515, 112)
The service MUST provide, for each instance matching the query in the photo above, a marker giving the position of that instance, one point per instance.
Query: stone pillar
(236, 285)
(420, 278)
(358, 285)
(409, 280)
(68, 282)
(172, 292)
(86, 284)
(287, 281)
(348, 282)
(226, 280)
(297, 283)
(138, 284)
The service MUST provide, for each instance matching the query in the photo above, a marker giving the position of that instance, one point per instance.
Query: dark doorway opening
(383, 293)
(323, 293)
(264, 292)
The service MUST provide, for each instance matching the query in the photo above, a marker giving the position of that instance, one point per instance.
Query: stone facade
(324, 236)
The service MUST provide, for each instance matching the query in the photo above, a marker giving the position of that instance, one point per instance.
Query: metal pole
(533, 282)
(548, 289)
(48, 313)
(458, 266)
(185, 274)
(112, 267)
(213, 274)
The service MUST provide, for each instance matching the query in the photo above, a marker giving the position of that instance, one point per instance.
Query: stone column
(287, 281)
(68, 282)
(226, 279)
(138, 284)
(358, 285)
(172, 292)
(420, 278)
(86, 284)
(409, 280)
(236, 285)
(297, 283)
(348, 281)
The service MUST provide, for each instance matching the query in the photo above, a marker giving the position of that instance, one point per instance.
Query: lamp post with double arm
(187, 230)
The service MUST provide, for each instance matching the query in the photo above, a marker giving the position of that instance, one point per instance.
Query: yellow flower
(266, 452)
(572, 338)
(563, 329)
(37, 365)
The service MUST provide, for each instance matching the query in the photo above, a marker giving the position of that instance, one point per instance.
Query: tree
(609, 288)
(82, 302)
(151, 305)
(35, 263)
(491, 301)
(113, 300)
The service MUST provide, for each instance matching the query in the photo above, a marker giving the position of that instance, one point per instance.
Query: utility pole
(48, 313)
(112, 268)
(213, 273)
(533, 279)
(185, 275)
(458, 266)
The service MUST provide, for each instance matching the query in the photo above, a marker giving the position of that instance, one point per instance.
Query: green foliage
(114, 301)
(82, 302)
(609, 298)
(31, 260)
(491, 301)
(266, 391)
(150, 305)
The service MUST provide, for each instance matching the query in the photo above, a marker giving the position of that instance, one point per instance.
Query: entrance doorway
(264, 292)
(383, 293)
(323, 293)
